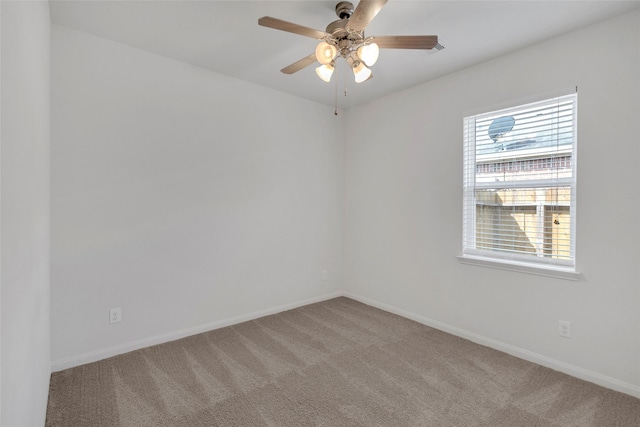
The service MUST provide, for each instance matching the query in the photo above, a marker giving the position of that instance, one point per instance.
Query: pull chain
(335, 113)
(344, 79)
(344, 75)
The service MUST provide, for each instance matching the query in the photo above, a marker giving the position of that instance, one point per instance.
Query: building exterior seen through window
(519, 183)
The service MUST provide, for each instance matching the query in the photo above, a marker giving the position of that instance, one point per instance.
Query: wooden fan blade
(406, 42)
(299, 65)
(279, 24)
(364, 14)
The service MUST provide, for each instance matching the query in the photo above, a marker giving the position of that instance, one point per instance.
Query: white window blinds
(519, 183)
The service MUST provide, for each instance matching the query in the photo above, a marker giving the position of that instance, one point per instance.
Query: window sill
(547, 271)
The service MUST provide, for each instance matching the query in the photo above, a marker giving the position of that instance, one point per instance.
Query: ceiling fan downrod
(344, 9)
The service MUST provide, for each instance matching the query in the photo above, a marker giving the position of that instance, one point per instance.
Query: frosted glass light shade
(361, 72)
(325, 53)
(325, 72)
(368, 53)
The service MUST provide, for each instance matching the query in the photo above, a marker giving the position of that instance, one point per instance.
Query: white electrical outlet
(325, 275)
(115, 315)
(564, 328)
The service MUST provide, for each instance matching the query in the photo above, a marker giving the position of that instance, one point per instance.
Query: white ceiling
(224, 36)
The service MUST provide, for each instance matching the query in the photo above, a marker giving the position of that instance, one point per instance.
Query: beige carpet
(335, 363)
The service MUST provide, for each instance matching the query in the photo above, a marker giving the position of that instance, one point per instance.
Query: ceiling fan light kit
(368, 53)
(325, 53)
(362, 73)
(325, 71)
(345, 38)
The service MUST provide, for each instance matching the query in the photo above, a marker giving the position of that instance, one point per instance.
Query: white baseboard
(94, 356)
(567, 368)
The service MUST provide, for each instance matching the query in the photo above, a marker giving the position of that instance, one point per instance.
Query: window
(520, 186)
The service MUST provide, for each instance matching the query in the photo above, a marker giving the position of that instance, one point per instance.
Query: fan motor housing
(338, 30)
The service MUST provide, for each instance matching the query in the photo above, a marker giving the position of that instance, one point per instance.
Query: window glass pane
(526, 221)
(543, 126)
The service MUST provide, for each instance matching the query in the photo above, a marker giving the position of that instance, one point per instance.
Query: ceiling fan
(345, 38)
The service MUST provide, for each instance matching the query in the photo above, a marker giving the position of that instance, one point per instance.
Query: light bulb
(325, 53)
(368, 53)
(325, 72)
(361, 72)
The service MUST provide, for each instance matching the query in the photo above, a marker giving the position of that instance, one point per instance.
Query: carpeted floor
(334, 363)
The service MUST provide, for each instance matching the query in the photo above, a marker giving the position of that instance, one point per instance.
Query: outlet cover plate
(564, 328)
(115, 315)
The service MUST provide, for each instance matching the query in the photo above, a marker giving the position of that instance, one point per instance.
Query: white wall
(24, 223)
(404, 201)
(185, 197)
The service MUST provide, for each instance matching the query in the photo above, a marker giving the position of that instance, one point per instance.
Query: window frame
(540, 265)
